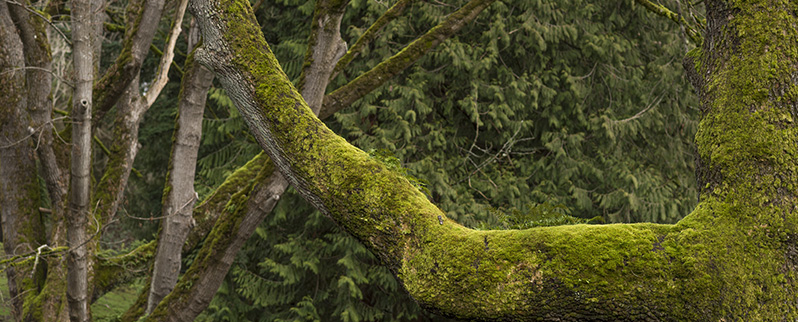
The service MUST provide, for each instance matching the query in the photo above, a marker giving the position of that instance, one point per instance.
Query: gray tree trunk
(178, 205)
(78, 213)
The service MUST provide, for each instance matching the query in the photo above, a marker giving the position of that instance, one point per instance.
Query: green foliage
(301, 267)
(537, 114)
(113, 304)
(557, 102)
(226, 143)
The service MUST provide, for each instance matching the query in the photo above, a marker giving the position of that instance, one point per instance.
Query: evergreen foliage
(567, 103)
(537, 114)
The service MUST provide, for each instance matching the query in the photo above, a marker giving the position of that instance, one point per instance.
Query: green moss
(725, 261)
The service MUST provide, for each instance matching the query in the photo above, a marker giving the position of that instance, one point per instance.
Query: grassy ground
(105, 309)
(5, 311)
(113, 304)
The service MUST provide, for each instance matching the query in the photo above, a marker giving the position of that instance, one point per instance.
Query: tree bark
(77, 214)
(325, 48)
(19, 192)
(179, 202)
(143, 18)
(733, 258)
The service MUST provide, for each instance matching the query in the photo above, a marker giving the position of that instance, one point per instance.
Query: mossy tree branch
(112, 271)
(661, 10)
(713, 265)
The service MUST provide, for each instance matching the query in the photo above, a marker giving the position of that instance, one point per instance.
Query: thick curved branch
(363, 84)
(624, 272)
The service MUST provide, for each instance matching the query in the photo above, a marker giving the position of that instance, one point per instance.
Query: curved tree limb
(701, 268)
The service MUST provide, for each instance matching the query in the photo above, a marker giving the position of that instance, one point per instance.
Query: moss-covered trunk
(19, 190)
(733, 258)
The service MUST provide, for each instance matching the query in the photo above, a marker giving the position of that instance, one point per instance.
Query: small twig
(39, 68)
(31, 131)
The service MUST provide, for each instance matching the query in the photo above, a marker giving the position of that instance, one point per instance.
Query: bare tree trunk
(80, 173)
(144, 17)
(179, 202)
(325, 48)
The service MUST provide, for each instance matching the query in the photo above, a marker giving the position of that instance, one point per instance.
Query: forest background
(536, 113)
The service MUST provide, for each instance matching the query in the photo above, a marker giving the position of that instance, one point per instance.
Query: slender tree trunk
(80, 173)
(53, 158)
(179, 202)
(325, 48)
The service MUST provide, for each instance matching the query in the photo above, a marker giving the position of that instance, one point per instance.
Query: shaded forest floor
(107, 308)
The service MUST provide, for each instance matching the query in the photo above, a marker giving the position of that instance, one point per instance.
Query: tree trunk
(179, 202)
(325, 48)
(77, 214)
(19, 191)
(733, 258)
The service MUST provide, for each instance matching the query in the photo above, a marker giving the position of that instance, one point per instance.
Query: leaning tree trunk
(733, 258)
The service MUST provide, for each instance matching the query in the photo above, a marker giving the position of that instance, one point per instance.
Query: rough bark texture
(733, 258)
(180, 197)
(325, 48)
(19, 192)
(198, 285)
(52, 157)
(78, 211)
